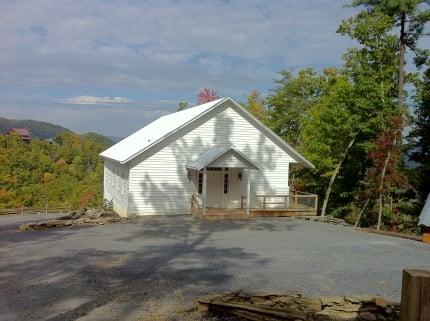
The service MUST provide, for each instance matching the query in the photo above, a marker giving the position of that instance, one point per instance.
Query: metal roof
(132, 145)
(165, 126)
(215, 153)
(425, 214)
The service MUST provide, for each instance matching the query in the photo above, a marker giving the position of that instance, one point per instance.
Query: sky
(112, 66)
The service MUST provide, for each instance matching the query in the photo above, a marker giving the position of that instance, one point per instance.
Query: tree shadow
(168, 255)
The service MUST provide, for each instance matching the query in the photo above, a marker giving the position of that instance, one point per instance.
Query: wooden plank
(415, 300)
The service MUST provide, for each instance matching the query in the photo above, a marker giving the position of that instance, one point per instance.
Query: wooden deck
(295, 204)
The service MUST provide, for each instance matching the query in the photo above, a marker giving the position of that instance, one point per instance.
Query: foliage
(40, 129)
(206, 95)
(290, 100)
(255, 105)
(100, 139)
(420, 136)
(182, 105)
(346, 121)
(66, 173)
(413, 14)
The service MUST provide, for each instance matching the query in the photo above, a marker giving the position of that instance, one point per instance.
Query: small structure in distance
(23, 133)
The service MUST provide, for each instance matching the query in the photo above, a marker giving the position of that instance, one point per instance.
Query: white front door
(215, 192)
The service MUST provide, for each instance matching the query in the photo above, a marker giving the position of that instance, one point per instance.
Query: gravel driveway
(152, 268)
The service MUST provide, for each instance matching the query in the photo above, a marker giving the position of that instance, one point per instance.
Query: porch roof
(222, 156)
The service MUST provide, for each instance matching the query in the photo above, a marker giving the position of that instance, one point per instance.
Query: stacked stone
(259, 306)
(76, 218)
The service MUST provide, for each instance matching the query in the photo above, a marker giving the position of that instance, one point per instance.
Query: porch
(222, 180)
(294, 204)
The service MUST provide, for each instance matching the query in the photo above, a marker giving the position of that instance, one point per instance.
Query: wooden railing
(34, 210)
(294, 202)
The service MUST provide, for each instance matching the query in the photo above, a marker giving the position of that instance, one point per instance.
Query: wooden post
(426, 234)
(205, 190)
(46, 208)
(316, 204)
(415, 301)
(22, 209)
(248, 192)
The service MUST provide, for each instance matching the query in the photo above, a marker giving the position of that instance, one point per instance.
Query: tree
(385, 175)
(255, 105)
(330, 130)
(289, 102)
(68, 172)
(420, 135)
(410, 17)
(207, 95)
(182, 105)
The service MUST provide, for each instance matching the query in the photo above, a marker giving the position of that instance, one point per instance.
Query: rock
(256, 299)
(348, 307)
(334, 300)
(94, 213)
(76, 218)
(309, 304)
(334, 315)
(287, 299)
(353, 299)
(367, 316)
(380, 302)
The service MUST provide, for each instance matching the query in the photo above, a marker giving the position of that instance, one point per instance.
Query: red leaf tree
(206, 95)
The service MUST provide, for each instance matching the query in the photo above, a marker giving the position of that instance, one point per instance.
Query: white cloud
(158, 52)
(94, 100)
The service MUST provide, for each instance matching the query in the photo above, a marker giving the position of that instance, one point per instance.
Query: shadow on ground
(173, 261)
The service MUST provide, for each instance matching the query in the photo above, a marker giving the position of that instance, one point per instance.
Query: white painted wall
(159, 184)
(116, 185)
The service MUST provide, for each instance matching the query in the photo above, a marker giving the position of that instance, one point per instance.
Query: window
(226, 183)
(215, 169)
(200, 183)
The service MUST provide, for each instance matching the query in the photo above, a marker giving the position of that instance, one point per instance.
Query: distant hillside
(103, 140)
(115, 139)
(38, 129)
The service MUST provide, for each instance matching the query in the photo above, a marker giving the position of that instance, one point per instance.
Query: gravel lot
(153, 268)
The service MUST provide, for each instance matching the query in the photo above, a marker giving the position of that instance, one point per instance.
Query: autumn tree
(385, 177)
(207, 95)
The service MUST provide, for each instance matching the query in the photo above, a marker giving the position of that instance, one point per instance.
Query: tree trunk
(381, 190)
(361, 212)
(333, 177)
(402, 62)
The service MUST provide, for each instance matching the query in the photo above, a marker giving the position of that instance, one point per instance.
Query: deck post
(415, 300)
(205, 190)
(248, 192)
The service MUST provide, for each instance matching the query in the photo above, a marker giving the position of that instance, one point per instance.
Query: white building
(215, 155)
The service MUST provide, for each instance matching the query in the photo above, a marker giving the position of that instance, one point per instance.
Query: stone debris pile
(75, 218)
(266, 306)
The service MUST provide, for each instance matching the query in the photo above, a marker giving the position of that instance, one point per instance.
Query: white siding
(159, 183)
(116, 186)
